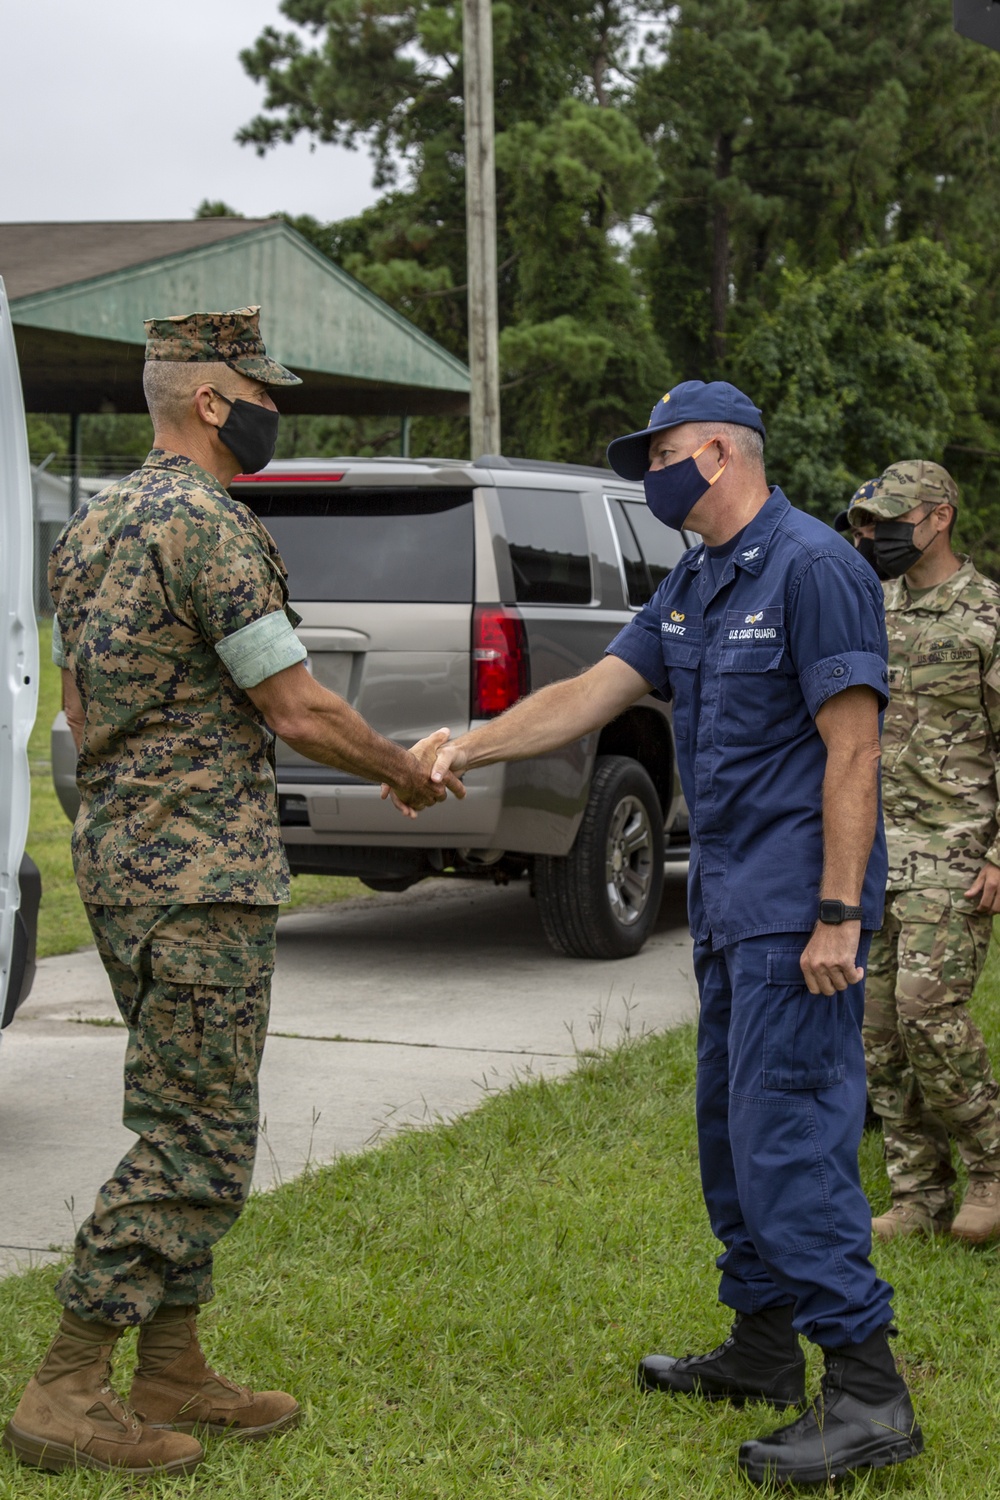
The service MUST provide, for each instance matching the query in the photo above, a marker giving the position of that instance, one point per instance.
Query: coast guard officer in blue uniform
(769, 640)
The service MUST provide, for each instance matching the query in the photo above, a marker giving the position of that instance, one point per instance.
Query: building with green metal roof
(79, 294)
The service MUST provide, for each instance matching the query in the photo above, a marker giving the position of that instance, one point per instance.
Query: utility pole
(75, 458)
(481, 228)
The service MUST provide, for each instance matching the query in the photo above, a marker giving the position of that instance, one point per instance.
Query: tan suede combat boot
(910, 1217)
(978, 1220)
(70, 1418)
(175, 1387)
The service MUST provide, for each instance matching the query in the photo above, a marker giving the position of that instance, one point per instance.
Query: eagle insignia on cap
(662, 401)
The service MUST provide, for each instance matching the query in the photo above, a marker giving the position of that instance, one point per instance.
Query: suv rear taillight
(500, 673)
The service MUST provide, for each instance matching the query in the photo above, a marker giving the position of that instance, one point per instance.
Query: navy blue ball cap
(863, 493)
(691, 401)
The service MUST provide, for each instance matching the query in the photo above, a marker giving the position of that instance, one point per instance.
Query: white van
(20, 886)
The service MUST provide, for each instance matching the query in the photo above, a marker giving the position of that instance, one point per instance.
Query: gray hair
(169, 385)
(746, 440)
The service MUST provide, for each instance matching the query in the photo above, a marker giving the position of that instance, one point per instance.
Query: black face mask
(250, 432)
(866, 547)
(894, 548)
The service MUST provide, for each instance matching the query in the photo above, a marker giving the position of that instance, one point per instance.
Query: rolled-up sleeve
(835, 673)
(638, 645)
(58, 650)
(266, 646)
(837, 637)
(239, 599)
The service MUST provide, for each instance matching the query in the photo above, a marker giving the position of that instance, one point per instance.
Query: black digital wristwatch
(835, 912)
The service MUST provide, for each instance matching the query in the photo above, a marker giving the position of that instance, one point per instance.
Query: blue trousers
(781, 1104)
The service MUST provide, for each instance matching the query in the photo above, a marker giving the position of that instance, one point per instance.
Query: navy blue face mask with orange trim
(672, 493)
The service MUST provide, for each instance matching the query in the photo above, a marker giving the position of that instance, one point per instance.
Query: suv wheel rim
(628, 866)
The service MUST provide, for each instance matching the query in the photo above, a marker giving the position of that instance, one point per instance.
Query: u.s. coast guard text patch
(755, 627)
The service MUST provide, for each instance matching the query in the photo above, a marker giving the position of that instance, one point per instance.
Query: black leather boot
(759, 1361)
(861, 1419)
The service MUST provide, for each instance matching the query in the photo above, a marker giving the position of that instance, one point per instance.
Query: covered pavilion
(79, 294)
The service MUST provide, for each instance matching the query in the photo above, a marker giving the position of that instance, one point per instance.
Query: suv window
(638, 584)
(549, 551)
(400, 546)
(661, 546)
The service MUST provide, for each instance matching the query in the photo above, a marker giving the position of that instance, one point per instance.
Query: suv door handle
(323, 638)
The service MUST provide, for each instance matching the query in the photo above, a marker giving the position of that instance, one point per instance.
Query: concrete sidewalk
(387, 1011)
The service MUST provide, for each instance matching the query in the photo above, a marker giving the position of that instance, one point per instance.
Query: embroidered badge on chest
(678, 624)
(751, 626)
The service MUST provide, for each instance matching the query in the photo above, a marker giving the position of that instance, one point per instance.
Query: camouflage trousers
(929, 1074)
(193, 984)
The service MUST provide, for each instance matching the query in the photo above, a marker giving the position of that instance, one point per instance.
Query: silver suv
(437, 592)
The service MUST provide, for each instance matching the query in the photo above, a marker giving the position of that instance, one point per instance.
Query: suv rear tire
(602, 899)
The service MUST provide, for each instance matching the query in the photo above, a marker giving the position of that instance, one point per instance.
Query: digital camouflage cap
(229, 338)
(901, 487)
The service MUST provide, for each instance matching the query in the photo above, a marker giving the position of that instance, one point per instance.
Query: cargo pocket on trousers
(803, 1033)
(209, 1045)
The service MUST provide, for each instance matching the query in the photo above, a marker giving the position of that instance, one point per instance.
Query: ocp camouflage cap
(229, 338)
(901, 487)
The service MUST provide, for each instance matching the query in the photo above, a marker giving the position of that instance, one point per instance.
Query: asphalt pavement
(387, 1011)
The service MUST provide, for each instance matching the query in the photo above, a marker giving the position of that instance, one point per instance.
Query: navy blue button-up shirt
(794, 617)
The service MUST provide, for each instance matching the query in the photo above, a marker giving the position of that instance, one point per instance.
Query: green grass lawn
(62, 924)
(461, 1310)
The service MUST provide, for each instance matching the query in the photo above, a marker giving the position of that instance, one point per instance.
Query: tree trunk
(600, 66)
(720, 251)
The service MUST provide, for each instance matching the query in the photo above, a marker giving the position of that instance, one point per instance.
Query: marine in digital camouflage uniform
(929, 1074)
(178, 651)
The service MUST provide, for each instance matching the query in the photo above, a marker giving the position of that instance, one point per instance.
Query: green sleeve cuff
(58, 654)
(266, 646)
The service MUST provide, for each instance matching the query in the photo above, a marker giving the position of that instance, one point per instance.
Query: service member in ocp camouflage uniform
(179, 659)
(929, 1074)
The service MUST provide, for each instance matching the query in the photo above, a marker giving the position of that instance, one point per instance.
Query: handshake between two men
(545, 720)
(425, 788)
(324, 727)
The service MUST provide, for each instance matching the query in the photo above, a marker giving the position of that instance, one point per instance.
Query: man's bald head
(198, 365)
(190, 402)
(169, 387)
